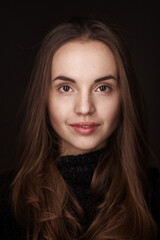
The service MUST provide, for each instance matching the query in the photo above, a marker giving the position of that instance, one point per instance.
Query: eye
(104, 88)
(65, 88)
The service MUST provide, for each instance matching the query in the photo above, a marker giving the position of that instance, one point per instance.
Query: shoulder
(9, 230)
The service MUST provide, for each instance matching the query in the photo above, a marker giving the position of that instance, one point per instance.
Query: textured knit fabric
(77, 171)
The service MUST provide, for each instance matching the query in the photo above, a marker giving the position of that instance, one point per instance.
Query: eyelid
(106, 85)
(68, 85)
(64, 85)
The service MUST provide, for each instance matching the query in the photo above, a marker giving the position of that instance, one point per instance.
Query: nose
(84, 105)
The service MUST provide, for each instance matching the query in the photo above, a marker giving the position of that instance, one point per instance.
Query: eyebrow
(64, 78)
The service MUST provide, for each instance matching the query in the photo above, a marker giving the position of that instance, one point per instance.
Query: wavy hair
(41, 200)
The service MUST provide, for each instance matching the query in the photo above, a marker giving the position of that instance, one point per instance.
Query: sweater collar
(79, 169)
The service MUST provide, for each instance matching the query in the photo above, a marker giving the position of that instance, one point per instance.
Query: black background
(23, 26)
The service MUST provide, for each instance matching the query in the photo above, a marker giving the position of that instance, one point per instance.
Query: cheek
(111, 111)
(57, 112)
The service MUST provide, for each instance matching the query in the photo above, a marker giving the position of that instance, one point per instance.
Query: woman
(83, 170)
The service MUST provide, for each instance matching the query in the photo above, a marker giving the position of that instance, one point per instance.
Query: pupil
(103, 88)
(66, 88)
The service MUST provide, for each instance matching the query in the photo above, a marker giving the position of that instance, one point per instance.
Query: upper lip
(85, 124)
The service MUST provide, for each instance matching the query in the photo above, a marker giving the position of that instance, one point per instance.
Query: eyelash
(106, 86)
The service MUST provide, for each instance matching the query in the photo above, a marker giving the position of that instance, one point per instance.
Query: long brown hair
(42, 202)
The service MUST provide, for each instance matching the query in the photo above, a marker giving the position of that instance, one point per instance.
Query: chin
(78, 149)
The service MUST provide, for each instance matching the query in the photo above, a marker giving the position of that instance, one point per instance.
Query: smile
(85, 128)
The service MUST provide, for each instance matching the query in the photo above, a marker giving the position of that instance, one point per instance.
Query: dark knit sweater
(77, 171)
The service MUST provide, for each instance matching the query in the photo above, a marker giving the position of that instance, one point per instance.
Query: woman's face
(84, 97)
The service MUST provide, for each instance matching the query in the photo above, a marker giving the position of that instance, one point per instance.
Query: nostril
(84, 109)
(84, 103)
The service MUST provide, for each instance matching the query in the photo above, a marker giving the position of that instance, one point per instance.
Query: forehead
(84, 57)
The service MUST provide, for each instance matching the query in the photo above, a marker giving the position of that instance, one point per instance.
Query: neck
(65, 150)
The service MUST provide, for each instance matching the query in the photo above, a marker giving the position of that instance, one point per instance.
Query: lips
(85, 128)
(85, 124)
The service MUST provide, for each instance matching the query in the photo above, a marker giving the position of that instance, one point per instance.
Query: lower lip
(85, 131)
